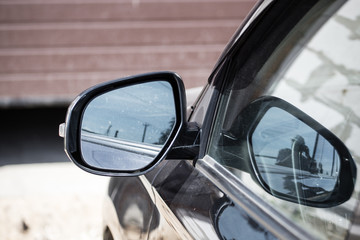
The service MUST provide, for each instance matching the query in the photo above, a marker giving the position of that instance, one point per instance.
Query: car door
(292, 54)
(269, 149)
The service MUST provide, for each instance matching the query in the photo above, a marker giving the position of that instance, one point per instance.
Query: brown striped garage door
(50, 50)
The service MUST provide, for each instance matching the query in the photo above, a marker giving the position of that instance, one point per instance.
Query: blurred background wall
(51, 50)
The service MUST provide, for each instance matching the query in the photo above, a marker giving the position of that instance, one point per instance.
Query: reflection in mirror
(293, 159)
(232, 222)
(124, 129)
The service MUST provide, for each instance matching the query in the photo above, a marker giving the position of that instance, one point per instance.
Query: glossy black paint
(190, 196)
(127, 194)
(196, 201)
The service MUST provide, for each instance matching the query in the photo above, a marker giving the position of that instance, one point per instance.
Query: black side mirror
(127, 126)
(295, 158)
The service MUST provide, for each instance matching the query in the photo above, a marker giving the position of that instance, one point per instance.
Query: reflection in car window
(320, 75)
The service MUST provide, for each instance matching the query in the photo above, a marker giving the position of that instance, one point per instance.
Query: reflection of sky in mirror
(273, 146)
(140, 113)
(277, 130)
(324, 79)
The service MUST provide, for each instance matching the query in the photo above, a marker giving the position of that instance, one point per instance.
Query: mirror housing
(104, 101)
(295, 158)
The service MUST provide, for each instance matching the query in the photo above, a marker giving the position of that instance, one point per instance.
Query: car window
(316, 68)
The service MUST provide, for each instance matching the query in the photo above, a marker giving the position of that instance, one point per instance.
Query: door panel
(202, 209)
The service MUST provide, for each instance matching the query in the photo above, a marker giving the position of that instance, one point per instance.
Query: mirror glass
(293, 159)
(124, 129)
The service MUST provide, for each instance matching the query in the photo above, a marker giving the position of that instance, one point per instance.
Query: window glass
(316, 67)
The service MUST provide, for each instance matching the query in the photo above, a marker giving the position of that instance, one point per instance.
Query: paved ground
(42, 195)
(50, 201)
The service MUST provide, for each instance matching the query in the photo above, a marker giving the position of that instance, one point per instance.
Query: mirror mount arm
(187, 144)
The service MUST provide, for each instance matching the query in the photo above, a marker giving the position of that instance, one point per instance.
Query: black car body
(269, 149)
